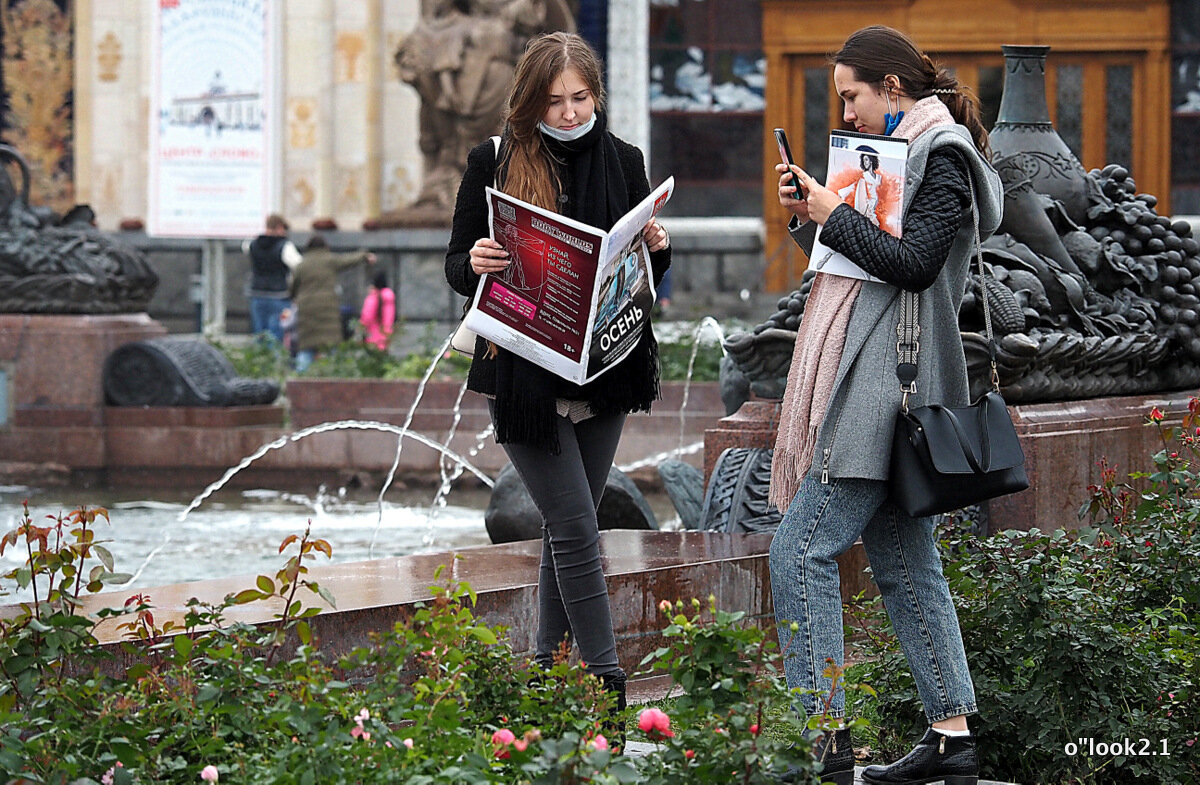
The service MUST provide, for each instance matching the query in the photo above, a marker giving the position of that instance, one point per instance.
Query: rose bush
(1076, 639)
(439, 698)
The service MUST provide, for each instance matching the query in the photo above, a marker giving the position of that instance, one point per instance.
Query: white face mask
(568, 136)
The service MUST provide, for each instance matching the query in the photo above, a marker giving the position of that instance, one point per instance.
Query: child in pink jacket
(378, 315)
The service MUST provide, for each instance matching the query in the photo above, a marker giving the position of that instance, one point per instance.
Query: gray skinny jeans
(572, 595)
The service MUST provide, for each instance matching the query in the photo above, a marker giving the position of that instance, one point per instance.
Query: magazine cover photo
(868, 182)
(626, 295)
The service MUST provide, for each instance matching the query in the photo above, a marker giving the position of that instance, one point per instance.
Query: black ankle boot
(937, 757)
(613, 727)
(835, 753)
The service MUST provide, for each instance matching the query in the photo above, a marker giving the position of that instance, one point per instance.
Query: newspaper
(574, 299)
(867, 171)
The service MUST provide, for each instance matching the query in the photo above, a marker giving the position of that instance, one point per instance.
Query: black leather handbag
(946, 458)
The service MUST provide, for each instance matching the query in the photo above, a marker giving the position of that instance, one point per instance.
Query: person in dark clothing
(317, 295)
(830, 465)
(557, 153)
(272, 258)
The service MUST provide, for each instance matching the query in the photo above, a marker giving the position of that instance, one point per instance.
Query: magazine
(867, 171)
(574, 299)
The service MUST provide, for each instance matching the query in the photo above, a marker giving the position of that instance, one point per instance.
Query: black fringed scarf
(596, 193)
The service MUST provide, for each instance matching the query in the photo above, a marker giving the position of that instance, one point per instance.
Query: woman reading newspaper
(831, 456)
(557, 153)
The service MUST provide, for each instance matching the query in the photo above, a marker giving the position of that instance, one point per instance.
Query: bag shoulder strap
(496, 170)
(908, 330)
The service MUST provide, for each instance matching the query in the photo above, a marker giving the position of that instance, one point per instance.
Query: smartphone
(785, 152)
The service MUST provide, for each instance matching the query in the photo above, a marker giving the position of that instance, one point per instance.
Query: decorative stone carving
(736, 501)
(1024, 133)
(174, 371)
(461, 59)
(108, 57)
(66, 268)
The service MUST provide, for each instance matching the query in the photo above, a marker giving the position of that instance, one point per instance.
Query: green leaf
(265, 585)
(104, 556)
(325, 595)
(183, 645)
(485, 635)
(246, 595)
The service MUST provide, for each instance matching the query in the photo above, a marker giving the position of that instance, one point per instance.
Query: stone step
(640, 749)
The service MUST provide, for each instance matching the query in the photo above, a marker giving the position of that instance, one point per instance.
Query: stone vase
(1025, 145)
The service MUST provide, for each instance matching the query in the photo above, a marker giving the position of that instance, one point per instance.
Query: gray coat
(855, 439)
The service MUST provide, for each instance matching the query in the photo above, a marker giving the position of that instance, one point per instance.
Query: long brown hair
(877, 51)
(530, 175)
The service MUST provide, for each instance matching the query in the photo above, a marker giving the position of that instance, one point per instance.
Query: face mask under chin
(567, 136)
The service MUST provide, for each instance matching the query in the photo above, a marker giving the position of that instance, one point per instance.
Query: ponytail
(876, 51)
(963, 106)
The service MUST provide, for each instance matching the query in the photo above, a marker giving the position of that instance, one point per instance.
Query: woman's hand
(816, 202)
(656, 237)
(488, 256)
(787, 192)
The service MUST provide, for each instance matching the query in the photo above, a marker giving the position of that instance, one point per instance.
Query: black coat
(633, 384)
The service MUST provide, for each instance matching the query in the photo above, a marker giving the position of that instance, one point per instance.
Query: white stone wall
(348, 142)
(349, 132)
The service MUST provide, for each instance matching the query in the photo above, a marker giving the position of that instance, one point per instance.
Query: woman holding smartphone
(557, 153)
(830, 465)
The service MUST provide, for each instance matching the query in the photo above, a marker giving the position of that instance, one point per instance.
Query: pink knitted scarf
(921, 116)
(814, 369)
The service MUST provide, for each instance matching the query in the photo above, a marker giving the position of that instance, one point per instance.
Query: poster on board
(212, 120)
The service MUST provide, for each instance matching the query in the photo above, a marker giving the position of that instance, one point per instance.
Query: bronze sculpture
(65, 267)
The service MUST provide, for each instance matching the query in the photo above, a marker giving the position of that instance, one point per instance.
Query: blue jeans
(264, 315)
(304, 358)
(822, 522)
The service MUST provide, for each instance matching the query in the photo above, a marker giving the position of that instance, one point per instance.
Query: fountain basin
(170, 447)
(643, 568)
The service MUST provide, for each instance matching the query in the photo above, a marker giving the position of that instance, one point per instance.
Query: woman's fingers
(655, 235)
(488, 256)
(787, 176)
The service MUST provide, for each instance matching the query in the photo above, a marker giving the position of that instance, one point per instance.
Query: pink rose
(655, 723)
(501, 739)
(209, 773)
(600, 743)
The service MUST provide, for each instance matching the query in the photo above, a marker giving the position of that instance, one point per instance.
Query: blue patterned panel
(1118, 110)
(1069, 98)
(816, 121)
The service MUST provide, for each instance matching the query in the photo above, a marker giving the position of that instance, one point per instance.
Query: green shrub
(262, 357)
(352, 360)
(438, 698)
(1077, 639)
